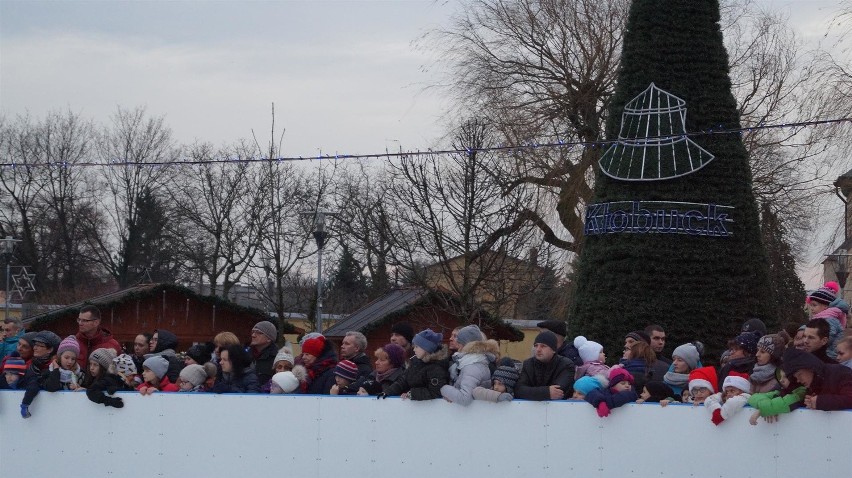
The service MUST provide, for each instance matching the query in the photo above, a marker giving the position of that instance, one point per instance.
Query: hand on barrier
(116, 402)
(603, 410)
(717, 417)
(25, 411)
(381, 396)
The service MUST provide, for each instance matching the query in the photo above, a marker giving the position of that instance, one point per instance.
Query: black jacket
(832, 383)
(244, 383)
(739, 365)
(424, 378)
(570, 352)
(362, 361)
(537, 377)
(264, 364)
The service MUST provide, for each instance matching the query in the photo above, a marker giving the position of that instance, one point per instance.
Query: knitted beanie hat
(404, 329)
(193, 374)
(314, 346)
(346, 369)
(754, 325)
(102, 357)
(747, 341)
(14, 365)
(284, 355)
(507, 375)
(396, 355)
(619, 374)
(589, 351)
(586, 384)
(287, 381)
(704, 377)
(639, 336)
(157, 364)
(772, 344)
(210, 369)
(68, 344)
(428, 340)
(823, 295)
(469, 334)
(546, 337)
(688, 353)
(266, 328)
(737, 381)
(124, 365)
(200, 353)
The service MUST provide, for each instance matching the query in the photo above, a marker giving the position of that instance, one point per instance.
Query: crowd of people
(774, 373)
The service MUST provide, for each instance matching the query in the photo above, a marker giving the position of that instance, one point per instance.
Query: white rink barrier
(180, 435)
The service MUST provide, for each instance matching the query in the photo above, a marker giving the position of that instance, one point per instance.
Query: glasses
(85, 321)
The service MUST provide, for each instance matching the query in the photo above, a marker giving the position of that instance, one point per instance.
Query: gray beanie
(468, 334)
(266, 328)
(157, 364)
(689, 354)
(103, 357)
(194, 374)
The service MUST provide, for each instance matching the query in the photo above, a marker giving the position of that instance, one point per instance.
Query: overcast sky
(345, 76)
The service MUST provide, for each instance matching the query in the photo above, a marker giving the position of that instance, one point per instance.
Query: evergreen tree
(788, 292)
(697, 286)
(347, 288)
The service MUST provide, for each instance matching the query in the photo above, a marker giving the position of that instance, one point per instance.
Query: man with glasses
(91, 336)
(13, 329)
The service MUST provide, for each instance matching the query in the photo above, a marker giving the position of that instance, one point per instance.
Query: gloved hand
(116, 402)
(717, 417)
(505, 397)
(25, 411)
(603, 410)
(381, 396)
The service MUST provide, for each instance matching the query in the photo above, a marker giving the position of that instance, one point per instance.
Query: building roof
(398, 302)
(148, 290)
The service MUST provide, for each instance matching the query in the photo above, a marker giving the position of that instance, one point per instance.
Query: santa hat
(704, 377)
(737, 380)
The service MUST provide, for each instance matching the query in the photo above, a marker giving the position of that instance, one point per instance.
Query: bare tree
(49, 200)
(452, 213)
(135, 147)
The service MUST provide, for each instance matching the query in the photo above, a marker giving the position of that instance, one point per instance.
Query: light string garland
(407, 154)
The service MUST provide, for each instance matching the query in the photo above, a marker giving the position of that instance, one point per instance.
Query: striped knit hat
(823, 295)
(102, 357)
(347, 370)
(14, 365)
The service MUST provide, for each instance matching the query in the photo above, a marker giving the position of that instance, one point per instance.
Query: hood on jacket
(165, 340)
(440, 354)
(795, 360)
(482, 347)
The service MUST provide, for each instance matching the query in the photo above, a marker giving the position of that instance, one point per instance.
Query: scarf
(382, 376)
(674, 379)
(318, 368)
(763, 373)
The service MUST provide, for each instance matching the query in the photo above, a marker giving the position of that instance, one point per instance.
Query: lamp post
(320, 236)
(7, 248)
(841, 268)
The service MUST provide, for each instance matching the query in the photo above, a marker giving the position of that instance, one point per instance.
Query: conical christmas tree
(672, 235)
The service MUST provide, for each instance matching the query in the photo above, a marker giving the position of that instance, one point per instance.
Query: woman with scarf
(685, 359)
(319, 358)
(389, 366)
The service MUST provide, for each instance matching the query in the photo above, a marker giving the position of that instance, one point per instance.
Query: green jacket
(771, 403)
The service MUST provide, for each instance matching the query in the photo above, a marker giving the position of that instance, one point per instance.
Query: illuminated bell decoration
(652, 143)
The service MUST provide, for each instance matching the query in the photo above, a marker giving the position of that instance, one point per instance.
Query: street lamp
(320, 236)
(841, 267)
(7, 248)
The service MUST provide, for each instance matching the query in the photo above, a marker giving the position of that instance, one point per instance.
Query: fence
(311, 436)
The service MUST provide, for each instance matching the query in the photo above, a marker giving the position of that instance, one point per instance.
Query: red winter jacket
(102, 340)
(165, 386)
